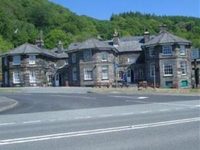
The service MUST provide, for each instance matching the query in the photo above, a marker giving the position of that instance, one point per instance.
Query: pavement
(7, 103)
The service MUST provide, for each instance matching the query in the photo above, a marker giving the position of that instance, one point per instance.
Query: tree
(56, 35)
(4, 45)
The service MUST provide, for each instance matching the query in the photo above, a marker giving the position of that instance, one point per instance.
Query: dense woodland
(22, 20)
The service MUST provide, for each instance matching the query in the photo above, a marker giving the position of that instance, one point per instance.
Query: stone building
(195, 67)
(31, 65)
(167, 60)
(91, 63)
(130, 65)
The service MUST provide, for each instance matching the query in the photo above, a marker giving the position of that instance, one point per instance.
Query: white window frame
(183, 66)
(151, 52)
(32, 59)
(74, 74)
(166, 50)
(73, 57)
(182, 50)
(168, 70)
(16, 60)
(105, 72)
(16, 77)
(87, 55)
(32, 76)
(152, 69)
(88, 74)
(104, 56)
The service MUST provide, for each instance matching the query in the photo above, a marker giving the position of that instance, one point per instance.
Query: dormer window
(16, 60)
(32, 59)
(167, 50)
(182, 50)
(87, 55)
(104, 56)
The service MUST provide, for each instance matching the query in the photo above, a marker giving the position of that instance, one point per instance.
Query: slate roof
(129, 46)
(89, 44)
(166, 37)
(29, 49)
(33, 49)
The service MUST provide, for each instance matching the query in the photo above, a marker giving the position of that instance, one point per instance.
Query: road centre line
(9, 123)
(95, 131)
(31, 122)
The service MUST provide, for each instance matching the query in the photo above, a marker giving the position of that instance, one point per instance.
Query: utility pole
(154, 77)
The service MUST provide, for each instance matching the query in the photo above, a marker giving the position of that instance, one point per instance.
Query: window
(87, 55)
(16, 60)
(74, 74)
(5, 61)
(152, 70)
(168, 84)
(32, 77)
(131, 60)
(151, 51)
(184, 83)
(6, 77)
(16, 77)
(104, 56)
(32, 59)
(74, 58)
(140, 73)
(167, 50)
(183, 66)
(87, 74)
(182, 50)
(168, 70)
(104, 75)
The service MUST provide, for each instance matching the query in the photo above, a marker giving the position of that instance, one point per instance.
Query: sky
(103, 9)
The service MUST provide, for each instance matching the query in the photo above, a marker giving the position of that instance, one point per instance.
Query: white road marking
(142, 97)
(31, 122)
(5, 124)
(73, 96)
(164, 110)
(95, 131)
(119, 96)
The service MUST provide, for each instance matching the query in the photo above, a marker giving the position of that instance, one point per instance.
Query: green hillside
(22, 20)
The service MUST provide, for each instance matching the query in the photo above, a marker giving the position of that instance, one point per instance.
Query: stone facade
(168, 61)
(28, 65)
(89, 70)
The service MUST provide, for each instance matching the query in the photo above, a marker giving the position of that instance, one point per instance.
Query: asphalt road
(102, 122)
(38, 102)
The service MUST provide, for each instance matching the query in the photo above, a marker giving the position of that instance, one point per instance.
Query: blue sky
(103, 9)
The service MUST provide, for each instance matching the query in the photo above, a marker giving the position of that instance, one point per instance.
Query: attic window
(167, 50)
(32, 59)
(182, 50)
(16, 60)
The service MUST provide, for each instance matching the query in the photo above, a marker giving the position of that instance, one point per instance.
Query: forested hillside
(22, 20)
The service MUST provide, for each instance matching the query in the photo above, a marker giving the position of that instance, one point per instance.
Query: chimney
(39, 42)
(116, 38)
(146, 36)
(163, 28)
(60, 47)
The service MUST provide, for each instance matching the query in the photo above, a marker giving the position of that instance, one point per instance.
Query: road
(108, 122)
